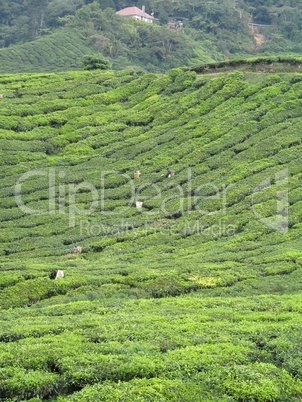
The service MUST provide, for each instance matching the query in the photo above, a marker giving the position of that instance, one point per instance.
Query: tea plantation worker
(75, 248)
(59, 274)
(137, 174)
(168, 173)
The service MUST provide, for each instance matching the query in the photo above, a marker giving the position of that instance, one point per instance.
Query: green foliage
(19, 384)
(60, 51)
(259, 382)
(202, 31)
(95, 62)
(196, 296)
(269, 63)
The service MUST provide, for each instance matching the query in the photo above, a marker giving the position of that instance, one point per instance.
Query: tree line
(217, 29)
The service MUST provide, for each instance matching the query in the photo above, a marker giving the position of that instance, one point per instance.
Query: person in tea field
(168, 173)
(77, 249)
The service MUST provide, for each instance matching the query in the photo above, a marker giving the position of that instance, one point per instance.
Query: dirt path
(259, 38)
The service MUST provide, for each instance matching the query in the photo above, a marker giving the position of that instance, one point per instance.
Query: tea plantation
(62, 50)
(195, 296)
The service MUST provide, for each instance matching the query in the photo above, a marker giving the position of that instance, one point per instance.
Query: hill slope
(184, 32)
(193, 297)
(61, 51)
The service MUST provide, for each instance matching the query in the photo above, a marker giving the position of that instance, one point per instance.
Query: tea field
(193, 297)
(60, 51)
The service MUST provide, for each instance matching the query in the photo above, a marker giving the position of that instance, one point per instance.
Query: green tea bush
(260, 382)
(195, 297)
(25, 384)
(142, 390)
(91, 369)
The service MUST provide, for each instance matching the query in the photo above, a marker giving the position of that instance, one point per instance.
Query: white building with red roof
(137, 13)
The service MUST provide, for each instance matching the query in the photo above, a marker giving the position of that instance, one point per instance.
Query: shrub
(95, 62)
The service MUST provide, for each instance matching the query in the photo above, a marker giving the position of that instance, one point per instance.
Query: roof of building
(130, 11)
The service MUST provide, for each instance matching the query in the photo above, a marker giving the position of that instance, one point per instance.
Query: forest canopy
(209, 30)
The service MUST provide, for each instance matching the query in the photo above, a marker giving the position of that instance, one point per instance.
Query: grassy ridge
(262, 64)
(193, 298)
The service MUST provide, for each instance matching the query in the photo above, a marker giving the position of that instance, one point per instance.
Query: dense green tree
(262, 15)
(57, 9)
(4, 11)
(36, 12)
(95, 62)
(107, 4)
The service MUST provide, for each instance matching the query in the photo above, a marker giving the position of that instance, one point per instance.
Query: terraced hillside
(60, 51)
(195, 296)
